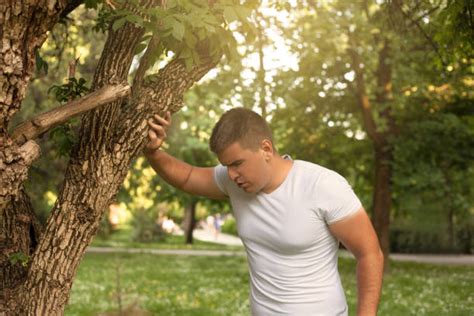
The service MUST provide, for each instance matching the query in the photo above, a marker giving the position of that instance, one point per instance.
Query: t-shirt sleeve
(335, 197)
(221, 178)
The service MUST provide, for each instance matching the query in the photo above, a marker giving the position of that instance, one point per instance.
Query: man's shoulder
(313, 173)
(311, 168)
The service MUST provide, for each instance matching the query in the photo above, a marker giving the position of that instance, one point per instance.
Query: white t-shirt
(291, 253)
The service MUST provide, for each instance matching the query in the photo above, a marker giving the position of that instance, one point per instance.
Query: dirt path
(432, 259)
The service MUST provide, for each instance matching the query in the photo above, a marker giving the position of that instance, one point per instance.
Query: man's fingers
(152, 135)
(156, 127)
(154, 142)
(157, 132)
(162, 121)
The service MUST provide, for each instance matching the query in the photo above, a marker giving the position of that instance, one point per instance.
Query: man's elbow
(380, 257)
(376, 256)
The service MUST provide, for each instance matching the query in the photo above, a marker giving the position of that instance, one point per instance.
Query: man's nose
(232, 173)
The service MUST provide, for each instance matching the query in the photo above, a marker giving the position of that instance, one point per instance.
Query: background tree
(348, 102)
(109, 138)
(366, 55)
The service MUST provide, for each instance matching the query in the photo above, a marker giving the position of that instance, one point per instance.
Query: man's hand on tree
(157, 133)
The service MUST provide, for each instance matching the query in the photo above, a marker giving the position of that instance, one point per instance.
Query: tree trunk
(382, 196)
(190, 221)
(90, 183)
(110, 139)
(23, 29)
(449, 205)
(20, 232)
(382, 199)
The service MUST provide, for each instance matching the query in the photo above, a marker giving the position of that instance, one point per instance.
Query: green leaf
(140, 48)
(170, 4)
(186, 53)
(92, 4)
(190, 40)
(178, 30)
(188, 62)
(135, 19)
(118, 24)
(41, 64)
(230, 14)
(19, 257)
(243, 12)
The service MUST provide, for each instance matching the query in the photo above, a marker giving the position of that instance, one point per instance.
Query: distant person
(290, 216)
(217, 225)
(210, 222)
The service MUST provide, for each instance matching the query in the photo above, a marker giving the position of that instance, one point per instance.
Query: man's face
(249, 169)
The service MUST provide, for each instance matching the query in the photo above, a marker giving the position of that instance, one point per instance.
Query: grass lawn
(189, 285)
(123, 239)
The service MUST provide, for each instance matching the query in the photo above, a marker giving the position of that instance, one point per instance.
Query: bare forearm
(172, 170)
(369, 283)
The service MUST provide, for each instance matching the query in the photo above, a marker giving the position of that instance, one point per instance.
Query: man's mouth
(241, 184)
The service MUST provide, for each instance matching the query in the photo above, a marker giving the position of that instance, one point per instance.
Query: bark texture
(19, 234)
(110, 138)
(23, 29)
(44, 122)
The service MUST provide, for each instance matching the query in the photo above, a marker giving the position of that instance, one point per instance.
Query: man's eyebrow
(234, 162)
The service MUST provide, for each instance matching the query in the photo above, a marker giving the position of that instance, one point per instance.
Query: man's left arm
(358, 235)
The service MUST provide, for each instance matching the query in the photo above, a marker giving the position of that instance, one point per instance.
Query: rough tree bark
(382, 197)
(98, 164)
(110, 138)
(23, 29)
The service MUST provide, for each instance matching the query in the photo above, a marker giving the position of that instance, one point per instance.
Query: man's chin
(250, 189)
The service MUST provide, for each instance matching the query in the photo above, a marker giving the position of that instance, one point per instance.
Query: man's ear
(267, 148)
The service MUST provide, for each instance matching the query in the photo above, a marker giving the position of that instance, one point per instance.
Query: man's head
(240, 125)
(243, 143)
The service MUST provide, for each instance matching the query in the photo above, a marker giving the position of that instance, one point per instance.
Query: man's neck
(281, 168)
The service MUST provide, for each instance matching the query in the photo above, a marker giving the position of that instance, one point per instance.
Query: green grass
(122, 239)
(189, 285)
(163, 285)
(418, 289)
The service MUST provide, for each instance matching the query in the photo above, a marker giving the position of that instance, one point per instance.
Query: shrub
(230, 226)
(145, 228)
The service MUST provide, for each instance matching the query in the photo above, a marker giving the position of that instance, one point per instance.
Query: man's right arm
(183, 176)
(190, 179)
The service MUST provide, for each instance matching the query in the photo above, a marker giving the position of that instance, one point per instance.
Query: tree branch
(421, 30)
(145, 62)
(363, 98)
(44, 122)
(159, 93)
(30, 151)
(70, 6)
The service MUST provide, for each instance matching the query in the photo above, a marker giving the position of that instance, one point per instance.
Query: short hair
(239, 125)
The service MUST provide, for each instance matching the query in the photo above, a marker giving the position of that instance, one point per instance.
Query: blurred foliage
(230, 226)
(317, 118)
(69, 91)
(146, 227)
(182, 26)
(306, 88)
(64, 137)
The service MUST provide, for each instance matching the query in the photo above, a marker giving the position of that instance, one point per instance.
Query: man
(290, 216)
